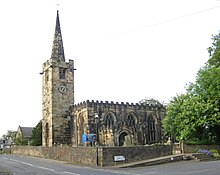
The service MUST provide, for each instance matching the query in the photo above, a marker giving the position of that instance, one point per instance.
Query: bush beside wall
(188, 148)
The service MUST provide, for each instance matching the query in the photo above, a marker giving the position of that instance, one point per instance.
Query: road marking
(27, 164)
(41, 167)
(123, 172)
(14, 160)
(117, 172)
(5, 158)
(45, 168)
(66, 172)
(195, 171)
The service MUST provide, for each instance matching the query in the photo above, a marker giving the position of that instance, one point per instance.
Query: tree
(21, 141)
(195, 116)
(214, 51)
(10, 135)
(150, 101)
(37, 135)
(184, 119)
(207, 86)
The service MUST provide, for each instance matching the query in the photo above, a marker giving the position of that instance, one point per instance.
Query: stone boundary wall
(133, 154)
(80, 155)
(88, 155)
(194, 148)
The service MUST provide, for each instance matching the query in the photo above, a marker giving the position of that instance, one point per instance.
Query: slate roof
(26, 131)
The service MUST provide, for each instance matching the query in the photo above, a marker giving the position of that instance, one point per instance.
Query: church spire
(57, 49)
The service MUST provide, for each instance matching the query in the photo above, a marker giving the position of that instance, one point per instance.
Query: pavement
(154, 161)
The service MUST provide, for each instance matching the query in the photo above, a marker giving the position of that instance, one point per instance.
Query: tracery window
(131, 120)
(152, 129)
(109, 121)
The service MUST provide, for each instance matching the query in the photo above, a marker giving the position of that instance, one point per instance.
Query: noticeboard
(88, 138)
(84, 138)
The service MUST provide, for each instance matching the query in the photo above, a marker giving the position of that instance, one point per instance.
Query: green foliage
(21, 141)
(214, 51)
(10, 135)
(195, 116)
(150, 101)
(215, 153)
(37, 135)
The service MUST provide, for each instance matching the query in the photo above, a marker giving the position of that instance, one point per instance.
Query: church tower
(57, 94)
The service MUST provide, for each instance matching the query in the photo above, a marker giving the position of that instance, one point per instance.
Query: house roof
(26, 131)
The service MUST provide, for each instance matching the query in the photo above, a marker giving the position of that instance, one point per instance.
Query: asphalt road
(23, 165)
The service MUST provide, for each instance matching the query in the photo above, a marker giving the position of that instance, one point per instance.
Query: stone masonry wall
(116, 119)
(88, 155)
(56, 102)
(194, 148)
(132, 154)
(81, 155)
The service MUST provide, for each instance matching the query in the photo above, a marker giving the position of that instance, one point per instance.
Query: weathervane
(58, 6)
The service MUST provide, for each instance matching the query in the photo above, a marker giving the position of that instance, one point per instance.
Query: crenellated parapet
(51, 63)
(122, 105)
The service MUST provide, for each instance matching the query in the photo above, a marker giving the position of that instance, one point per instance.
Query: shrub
(215, 153)
(204, 151)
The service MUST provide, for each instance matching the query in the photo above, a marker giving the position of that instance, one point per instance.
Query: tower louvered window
(62, 73)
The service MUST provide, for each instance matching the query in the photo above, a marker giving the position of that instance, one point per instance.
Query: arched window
(131, 120)
(152, 129)
(109, 121)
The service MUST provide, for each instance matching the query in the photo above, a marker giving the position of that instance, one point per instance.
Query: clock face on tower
(62, 88)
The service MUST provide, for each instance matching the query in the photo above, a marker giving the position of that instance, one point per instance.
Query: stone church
(112, 124)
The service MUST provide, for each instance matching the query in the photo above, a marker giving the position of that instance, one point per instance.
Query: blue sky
(124, 50)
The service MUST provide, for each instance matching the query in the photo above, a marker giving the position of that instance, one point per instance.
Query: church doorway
(124, 139)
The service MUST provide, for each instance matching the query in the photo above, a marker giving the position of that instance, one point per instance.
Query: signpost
(84, 138)
(88, 138)
(119, 159)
